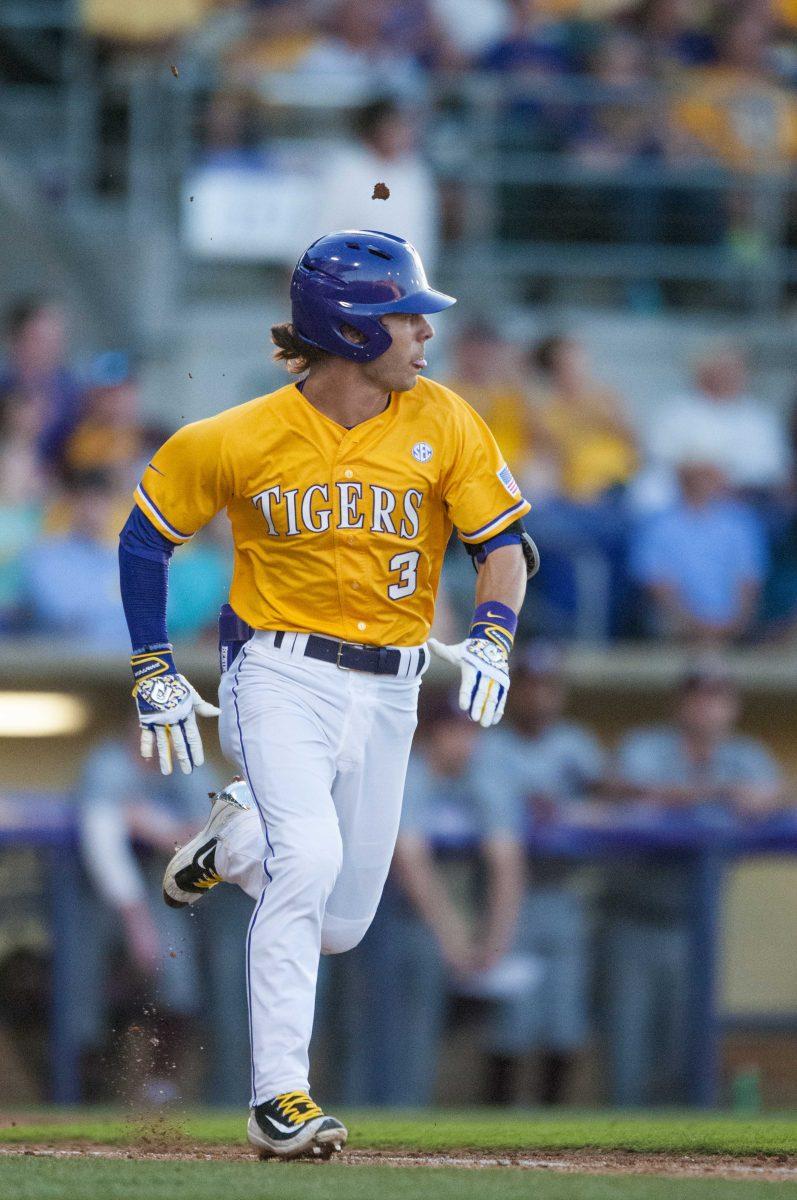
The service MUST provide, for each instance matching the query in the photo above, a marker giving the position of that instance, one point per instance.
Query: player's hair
(296, 354)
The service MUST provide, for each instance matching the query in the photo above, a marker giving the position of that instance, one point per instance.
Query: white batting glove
(485, 676)
(167, 706)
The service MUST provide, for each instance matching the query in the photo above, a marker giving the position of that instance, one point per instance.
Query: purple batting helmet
(354, 277)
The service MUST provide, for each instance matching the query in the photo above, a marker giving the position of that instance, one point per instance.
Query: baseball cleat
(291, 1125)
(192, 870)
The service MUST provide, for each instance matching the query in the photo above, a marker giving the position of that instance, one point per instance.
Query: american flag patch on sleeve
(507, 479)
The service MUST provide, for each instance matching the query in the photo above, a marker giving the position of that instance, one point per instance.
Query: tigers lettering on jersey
(336, 531)
(293, 511)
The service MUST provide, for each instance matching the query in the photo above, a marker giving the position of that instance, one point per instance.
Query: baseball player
(341, 488)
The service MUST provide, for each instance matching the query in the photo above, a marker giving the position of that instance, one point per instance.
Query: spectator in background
(588, 437)
(733, 111)
(674, 35)
(384, 150)
(487, 371)
(130, 819)
(736, 114)
(259, 38)
(199, 582)
(22, 489)
(353, 61)
(550, 764)
(702, 562)
(71, 580)
(147, 23)
(617, 130)
(620, 126)
(779, 601)
(426, 936)
(720, 422)
(697, 769)
(233, 131)
(535, 50)
(36, 376)
(586, 442)
(471, 27)
(535, 44)
(109, 436)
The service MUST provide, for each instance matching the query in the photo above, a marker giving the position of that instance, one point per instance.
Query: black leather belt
(354, 656)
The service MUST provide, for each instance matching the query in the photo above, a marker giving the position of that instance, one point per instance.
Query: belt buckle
(338, 663)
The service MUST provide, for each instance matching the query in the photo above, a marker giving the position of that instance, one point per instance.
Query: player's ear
(353, 335)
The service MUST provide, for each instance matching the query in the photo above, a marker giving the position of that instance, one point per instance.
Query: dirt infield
(771, 1168)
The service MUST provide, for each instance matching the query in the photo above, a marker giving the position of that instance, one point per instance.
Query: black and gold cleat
(192, 871)
(292, 1125)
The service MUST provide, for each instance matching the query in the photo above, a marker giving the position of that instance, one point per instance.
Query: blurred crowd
(676, 525)
(676, 119)
(73, 445)
(682, 526)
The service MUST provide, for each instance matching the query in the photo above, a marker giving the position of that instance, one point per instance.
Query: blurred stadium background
(596, 904)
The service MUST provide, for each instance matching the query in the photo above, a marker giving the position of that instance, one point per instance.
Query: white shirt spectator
(472, 26)
(334, 74)
(346, 185)
(741, 436)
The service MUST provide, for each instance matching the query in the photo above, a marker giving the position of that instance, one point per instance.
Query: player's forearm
(108, 854)
(506, 873)
(502, 577)
(418, 877)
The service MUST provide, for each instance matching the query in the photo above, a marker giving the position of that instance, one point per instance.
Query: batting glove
(483, 659)
(167, 706)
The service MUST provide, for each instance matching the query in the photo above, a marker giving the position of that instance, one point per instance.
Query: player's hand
(485, 676)
(167, 706)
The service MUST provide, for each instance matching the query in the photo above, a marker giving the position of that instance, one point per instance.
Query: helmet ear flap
(329, 333)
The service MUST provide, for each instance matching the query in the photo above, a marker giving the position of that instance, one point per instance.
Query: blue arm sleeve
(144, 555)
(480, 551)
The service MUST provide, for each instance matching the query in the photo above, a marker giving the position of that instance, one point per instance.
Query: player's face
(397, 369)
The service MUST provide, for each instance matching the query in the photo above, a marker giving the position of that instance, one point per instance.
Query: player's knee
(316, 861)
(339, 935)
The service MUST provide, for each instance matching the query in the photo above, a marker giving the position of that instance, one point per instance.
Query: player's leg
(288, 723)
(368, 791)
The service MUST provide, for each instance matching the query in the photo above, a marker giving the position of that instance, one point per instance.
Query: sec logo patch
(422, 451)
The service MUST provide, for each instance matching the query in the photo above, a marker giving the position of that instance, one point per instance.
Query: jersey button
(348, 473)
(361, 625)
(352, 541)
(355, 584)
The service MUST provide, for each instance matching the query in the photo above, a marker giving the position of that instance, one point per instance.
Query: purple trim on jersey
(259, 905)
(184, 537)
(501, 516)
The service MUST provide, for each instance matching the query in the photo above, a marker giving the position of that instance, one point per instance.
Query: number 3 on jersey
(407, 566)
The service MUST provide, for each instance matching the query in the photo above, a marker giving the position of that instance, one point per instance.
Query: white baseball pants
(325, 753)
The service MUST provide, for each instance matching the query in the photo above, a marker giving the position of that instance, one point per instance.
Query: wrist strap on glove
(151, 661)
(495, 622)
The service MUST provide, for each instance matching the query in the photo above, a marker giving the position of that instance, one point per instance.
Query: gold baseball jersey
(336, 531)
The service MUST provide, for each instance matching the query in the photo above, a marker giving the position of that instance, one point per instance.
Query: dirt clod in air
(381, 192)
(174, 70)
